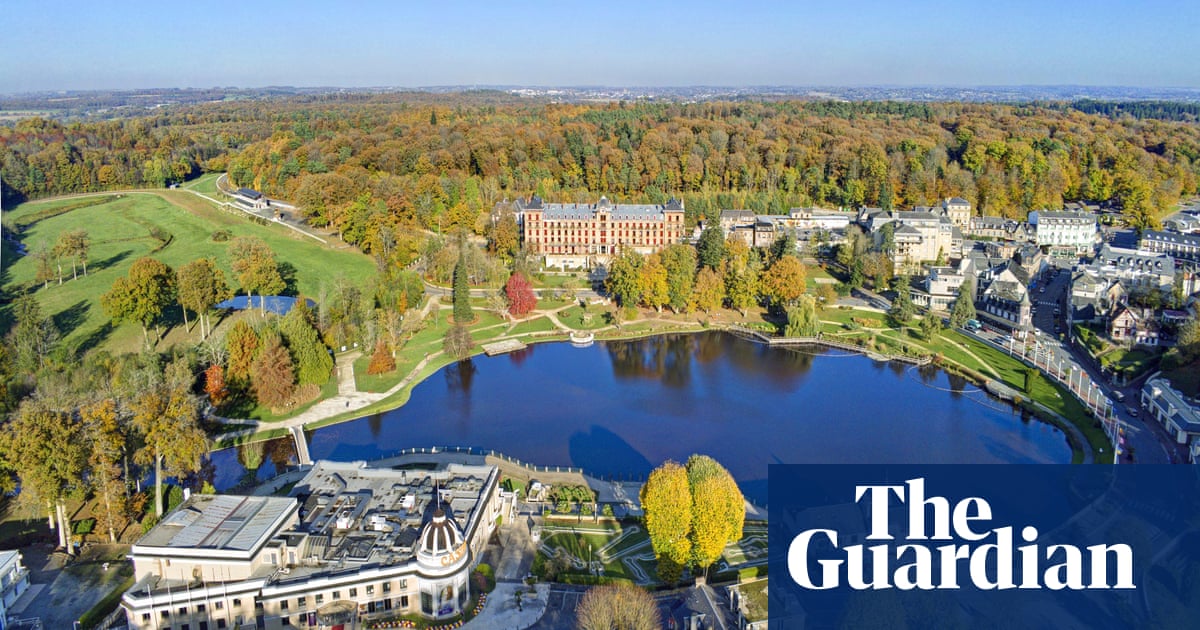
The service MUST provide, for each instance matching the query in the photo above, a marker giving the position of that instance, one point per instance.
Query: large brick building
(585, 235)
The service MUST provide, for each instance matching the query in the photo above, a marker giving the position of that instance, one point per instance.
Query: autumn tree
(652, 283)
(243, 344)
(381, 360)
(201, 286)
(214, 385)
(165, 414)
(273, 376)
(617, 607)
(102, 423)
(504, 237)
(46, 449)
(458, 342)
(142, 296)
(718, 509)
(784, 282)
(73, 244)
(709, 290)
(521, 299)
(963, 308)
(310, 357)
(667, 503)
(256, 267)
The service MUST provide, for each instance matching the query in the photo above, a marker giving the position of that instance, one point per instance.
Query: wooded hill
(362, 162)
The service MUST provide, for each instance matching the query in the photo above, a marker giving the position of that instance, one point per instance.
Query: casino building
(585, 235)
(351, 544)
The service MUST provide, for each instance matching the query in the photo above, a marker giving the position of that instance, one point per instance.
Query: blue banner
(1004, 546)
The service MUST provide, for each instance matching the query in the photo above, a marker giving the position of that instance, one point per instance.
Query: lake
(621, 408)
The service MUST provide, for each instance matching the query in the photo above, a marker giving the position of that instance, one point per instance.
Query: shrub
(381, 361)
(220, 236)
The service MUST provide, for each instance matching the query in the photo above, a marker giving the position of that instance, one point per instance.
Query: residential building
(1005, 303)
(350, 545)
(919, 236)
(1133, 326)
(586, 235)
(1186, 222)
(1181, 247)
(14, 580)
(1172, 410)
(958, 210)
(818, 219)
(999, 229)
(940, 287)
(1136, 269)
(1065, 234)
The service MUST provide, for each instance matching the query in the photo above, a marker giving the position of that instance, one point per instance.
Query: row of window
(284, 604)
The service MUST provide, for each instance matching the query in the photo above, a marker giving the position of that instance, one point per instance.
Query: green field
(206, 184)
(120, 232)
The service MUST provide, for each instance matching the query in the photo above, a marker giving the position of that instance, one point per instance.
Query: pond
(621, 408)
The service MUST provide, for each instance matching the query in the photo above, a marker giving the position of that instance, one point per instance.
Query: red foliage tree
(520, 295)
(214, 385)
(381, 361)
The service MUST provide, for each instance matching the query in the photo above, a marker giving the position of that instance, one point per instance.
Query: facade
(1136, 269)
(999, 229)
(1181, 247)
(940, 288)
(586, 235)
(1133, 326)
(1171, 410)
(1005, 302)
(251, 199)
(958, 210)
(919, 235)
(350, 545)
(818, 219)
(1065, 234)
(14, 581)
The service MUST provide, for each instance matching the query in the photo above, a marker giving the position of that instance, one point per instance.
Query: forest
(367, 165)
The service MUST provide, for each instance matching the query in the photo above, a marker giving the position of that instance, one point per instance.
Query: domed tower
(444, 559)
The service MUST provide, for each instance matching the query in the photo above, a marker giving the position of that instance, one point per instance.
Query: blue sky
(50, 44)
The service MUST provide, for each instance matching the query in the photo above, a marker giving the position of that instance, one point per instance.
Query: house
(14, 581)
(251, 199)
(1065, 234)
(1005, 302)
(1133, 326)
(940, 287)
(918, 236)
(352, 544)
(958, 210)
(1172, 410)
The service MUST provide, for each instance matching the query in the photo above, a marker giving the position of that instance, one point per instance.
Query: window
(320, 598)
(220, 624)
(203, 625)
(165, 614)
(219, 605)
(145, 616)
(370, 589)
(387, 586)
(183, 610)
(353, 592)
(237, 602)
(186, 627)
(200, 607)
(404, 601)
(337, 594)
(286, 621)
(301, 601)
(283, 605)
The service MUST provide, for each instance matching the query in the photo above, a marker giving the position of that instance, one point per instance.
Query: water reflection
(620, 408)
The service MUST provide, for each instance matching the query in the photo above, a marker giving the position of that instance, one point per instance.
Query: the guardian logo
(974, 556)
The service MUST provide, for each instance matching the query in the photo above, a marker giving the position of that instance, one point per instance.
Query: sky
(110, 44)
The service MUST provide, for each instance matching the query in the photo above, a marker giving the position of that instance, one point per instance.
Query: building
(585, 235)
(14, 581)
(1065, 234)
(919, 236)
(818, 219)
(1174, 412)
(958, 210)
(999, 229)
(251, 199)
(940, 288)
(1181, 247)
(1133, 326)
(350, 545)
(1005, 303)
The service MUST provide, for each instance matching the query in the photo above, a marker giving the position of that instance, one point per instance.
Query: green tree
(142, 296)
(785, 281)
(667, 503)
(680, 262)
(931, 325)
(256, 268)
(624, 278)
(102, 424)
(963, 308)
(902, 307)
(802, 320)
(718, 509)
(201, 286)
(784, 245)
(309, 356)
(617, 607)
(461, 292)
(32, 336)
(710, 249)
(709, 291)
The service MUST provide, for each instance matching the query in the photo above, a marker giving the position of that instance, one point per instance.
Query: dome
(441, 542)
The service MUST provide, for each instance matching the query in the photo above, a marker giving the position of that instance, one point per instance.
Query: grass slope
(121, 232)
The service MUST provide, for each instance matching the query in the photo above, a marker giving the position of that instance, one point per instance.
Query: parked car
(1118, 395)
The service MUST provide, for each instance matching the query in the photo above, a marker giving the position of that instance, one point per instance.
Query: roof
(1172, 237)
(958, 201)
(619, 212)
(250, 193)
(219, 522)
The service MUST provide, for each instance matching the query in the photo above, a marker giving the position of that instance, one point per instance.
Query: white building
(14, 580)
(1065, 234)
(352, 544)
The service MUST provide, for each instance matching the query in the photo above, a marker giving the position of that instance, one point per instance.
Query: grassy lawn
(206, 184)
(542, 281)
(1131, 362)
(587, 540)
(121, 231)
(573, 317)
(540, 324)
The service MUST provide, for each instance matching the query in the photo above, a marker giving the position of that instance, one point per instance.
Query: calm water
(621, 408)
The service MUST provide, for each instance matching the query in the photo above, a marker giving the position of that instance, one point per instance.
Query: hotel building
(585, 235)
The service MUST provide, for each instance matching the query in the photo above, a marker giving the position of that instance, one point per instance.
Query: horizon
(375, 45)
